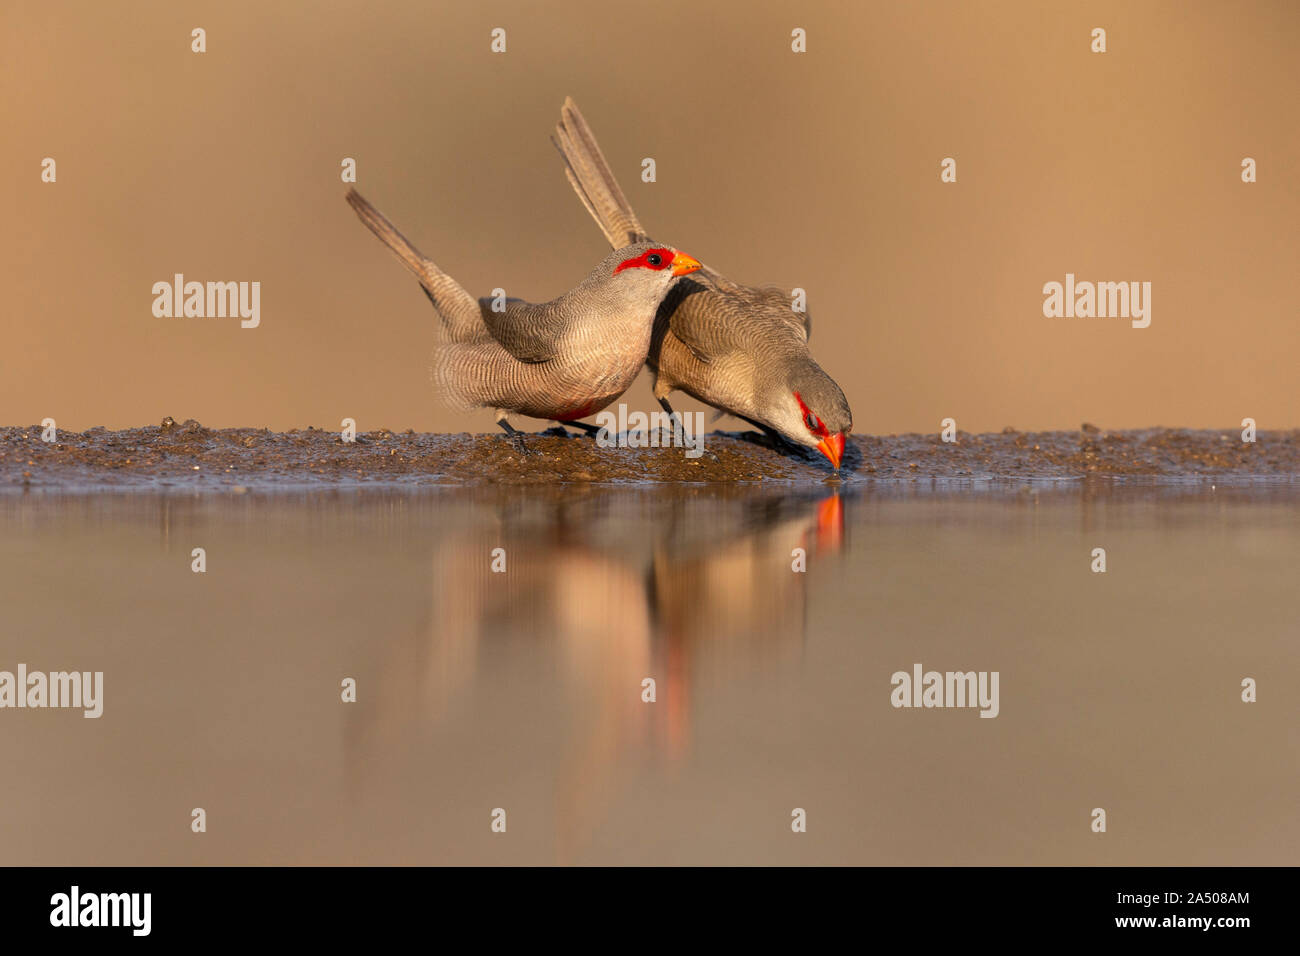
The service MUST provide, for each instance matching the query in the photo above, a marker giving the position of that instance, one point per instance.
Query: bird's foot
(516, 438)
(765, 440)
(592, 430)
(675, 428)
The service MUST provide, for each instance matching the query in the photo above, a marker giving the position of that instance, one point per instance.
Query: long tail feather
(592, 179)
(457, 309)
(411, 257)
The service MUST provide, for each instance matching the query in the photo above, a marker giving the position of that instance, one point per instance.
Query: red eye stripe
(820, 431)
(643, 261)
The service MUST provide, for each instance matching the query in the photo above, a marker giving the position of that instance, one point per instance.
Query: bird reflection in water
(603, 589)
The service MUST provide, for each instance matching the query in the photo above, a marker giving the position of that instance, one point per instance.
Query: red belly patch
(581, 411)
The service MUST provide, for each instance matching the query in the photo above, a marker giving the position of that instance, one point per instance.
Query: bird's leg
(678, 434)
(515, 436)
(766, 436)
(592, 430)
(677, 427)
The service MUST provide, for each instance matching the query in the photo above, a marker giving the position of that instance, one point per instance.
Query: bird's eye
(811, 421)
(655, 259)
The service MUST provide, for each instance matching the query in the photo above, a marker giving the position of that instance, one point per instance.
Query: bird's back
(564, 359)
(713, 339)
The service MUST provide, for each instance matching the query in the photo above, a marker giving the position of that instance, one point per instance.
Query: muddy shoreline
(187, 456)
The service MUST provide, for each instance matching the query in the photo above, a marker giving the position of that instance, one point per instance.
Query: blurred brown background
(819, 170)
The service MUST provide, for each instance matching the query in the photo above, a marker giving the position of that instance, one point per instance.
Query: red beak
(684, 264)
(832, 446)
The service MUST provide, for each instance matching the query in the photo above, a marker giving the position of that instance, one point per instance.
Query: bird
(561, 360)
(741, 349)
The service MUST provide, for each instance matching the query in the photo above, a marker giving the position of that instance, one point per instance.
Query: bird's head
(811, 410)
(649, 266)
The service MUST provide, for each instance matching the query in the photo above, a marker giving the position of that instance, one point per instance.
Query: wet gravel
(188, 456)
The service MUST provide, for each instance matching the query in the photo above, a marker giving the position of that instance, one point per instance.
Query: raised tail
(378, 223)
(592, 179)
(458, 309)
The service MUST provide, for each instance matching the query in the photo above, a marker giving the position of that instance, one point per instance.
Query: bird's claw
(517, 440)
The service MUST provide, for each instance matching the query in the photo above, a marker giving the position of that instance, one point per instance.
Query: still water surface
(523, 690)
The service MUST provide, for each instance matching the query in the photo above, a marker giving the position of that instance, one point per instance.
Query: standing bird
(741, 349)
(561, 360)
